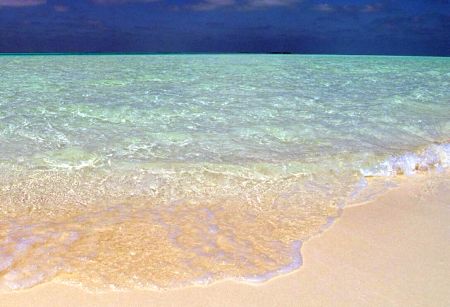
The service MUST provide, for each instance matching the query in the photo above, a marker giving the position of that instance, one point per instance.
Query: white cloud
(106, 2)
(367, 8)
(324, 7)
(268, 3)
(209, 5)
(21, 3)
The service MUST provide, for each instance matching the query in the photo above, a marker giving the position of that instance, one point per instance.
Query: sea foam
(435, 156)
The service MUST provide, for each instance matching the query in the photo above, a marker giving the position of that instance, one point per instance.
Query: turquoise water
(167, 170)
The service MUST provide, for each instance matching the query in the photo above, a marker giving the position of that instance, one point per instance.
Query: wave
(436, 156)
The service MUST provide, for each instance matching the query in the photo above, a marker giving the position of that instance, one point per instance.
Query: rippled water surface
(167, 170)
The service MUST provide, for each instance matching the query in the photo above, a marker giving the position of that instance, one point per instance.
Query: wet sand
(393, 251)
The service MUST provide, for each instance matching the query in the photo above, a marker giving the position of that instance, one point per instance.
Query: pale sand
(394, 251)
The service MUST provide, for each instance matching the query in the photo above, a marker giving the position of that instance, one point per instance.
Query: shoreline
(389, 251)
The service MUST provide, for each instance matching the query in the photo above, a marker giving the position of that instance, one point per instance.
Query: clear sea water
(132, 171)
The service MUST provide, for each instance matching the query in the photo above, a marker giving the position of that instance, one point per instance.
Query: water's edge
(433, 160)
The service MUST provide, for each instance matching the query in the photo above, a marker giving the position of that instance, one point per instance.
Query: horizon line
(213, 53)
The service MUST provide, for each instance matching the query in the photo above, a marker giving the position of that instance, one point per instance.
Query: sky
(408, 27)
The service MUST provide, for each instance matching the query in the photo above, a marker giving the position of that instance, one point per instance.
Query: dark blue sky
(414, 27)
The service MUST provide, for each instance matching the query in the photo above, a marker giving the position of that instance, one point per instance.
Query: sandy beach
(393, 251)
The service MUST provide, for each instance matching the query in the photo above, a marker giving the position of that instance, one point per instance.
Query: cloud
(324, 7)
(21, 3)
(269, 3)
(209, 5)
(107, 2)
(365, 8)
(61, 8)
(371, 8)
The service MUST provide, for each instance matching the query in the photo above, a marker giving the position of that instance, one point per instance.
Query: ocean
(161, 171)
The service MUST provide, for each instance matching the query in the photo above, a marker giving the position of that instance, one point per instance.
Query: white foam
(5, 262)
(435, 156)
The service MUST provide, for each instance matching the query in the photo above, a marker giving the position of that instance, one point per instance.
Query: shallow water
(167, 170)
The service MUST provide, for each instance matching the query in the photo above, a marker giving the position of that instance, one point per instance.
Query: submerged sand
(392, 251)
